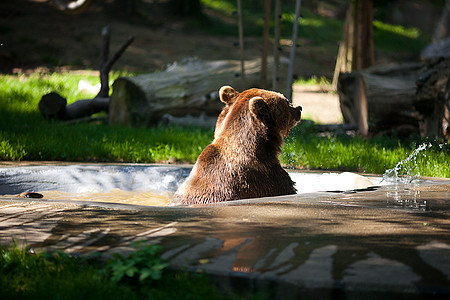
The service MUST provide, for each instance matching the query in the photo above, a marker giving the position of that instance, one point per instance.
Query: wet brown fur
(242, 161)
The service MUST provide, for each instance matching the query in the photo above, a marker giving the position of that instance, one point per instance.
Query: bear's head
(267, 111)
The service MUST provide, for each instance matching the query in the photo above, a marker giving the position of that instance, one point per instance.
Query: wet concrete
(386, 242)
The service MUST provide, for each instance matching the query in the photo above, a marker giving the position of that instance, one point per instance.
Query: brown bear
(242, 161)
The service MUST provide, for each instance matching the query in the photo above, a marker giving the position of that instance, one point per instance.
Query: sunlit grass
(388, 37)
(330, 152)
(225, 7)
(412, 32)
(25, 135)
(314, 80)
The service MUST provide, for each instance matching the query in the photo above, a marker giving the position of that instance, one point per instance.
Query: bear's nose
(296, 112)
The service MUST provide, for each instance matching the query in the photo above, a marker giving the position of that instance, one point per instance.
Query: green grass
(304, 149)
(25, 135)
(27, 273)
(321, 81)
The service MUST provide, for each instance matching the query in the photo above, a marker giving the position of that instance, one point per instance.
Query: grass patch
(25, 135)
(321, 81)
(26, 274)
(304, 149)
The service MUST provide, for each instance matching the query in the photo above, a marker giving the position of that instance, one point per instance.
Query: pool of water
(154, 185)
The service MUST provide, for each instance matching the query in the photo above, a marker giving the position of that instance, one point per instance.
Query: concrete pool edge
(222, 250)
(289, 246)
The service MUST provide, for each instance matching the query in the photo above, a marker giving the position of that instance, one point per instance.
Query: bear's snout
(296, 112)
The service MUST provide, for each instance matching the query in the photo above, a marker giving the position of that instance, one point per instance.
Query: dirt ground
(34, 35)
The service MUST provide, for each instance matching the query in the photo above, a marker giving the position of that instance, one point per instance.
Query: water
(392, 175)
(403, 183)
(143, 185)
(131, 184)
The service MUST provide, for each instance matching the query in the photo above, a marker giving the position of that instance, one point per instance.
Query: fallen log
(186, 88)
(54, 106)
(432, 99)
(379, 98)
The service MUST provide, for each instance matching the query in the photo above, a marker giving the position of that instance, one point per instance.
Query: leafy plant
(29, 274)
(145, 264)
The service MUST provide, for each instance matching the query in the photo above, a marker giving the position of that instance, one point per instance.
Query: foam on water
(92, 179)
(323, 182)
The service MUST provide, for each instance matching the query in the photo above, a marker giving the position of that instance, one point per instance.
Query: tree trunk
(379, 99)
(356, 51)
(190, 88)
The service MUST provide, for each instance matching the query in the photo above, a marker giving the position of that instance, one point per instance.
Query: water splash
(392, 175)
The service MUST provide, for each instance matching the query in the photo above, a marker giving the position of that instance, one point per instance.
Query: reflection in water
(403, 196)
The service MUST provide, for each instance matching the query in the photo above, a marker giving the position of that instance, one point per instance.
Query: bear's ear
(259, 108)
(227, 94)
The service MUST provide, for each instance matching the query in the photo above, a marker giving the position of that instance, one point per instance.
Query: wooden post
(293, 48)
(276, 45)
(265, 44)
(241, 38)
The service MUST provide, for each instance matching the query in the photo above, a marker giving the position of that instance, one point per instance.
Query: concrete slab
(375, 243)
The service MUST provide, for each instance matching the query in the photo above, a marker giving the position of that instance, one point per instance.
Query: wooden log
(432, 100)
(379, 98)
(188, 88)
(53, 106)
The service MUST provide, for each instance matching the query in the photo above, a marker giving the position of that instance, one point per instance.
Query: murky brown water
(113, 196)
